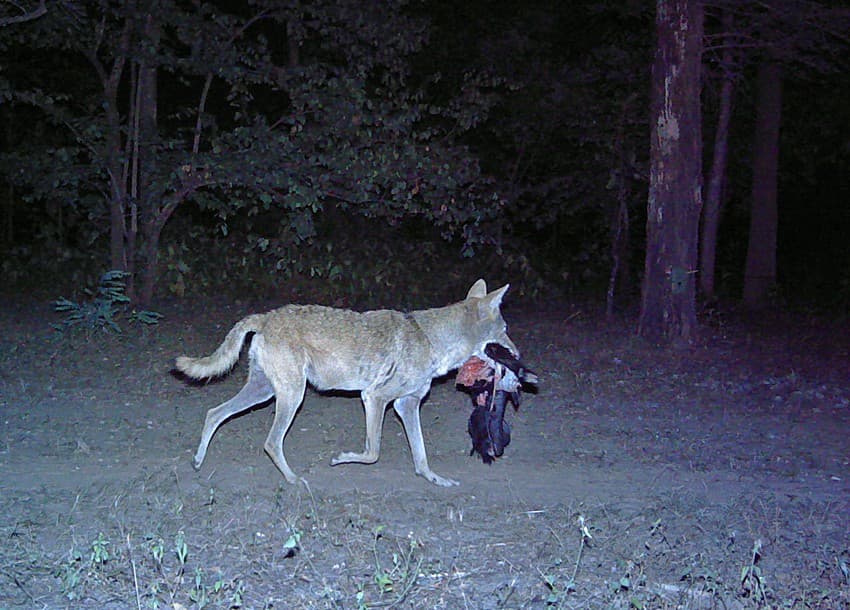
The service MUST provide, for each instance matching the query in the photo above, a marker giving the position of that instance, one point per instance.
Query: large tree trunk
(717, 179)
(760, 272)
(668, 305)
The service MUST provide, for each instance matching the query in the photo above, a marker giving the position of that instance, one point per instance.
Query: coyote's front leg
(407, 408)
(374, 407)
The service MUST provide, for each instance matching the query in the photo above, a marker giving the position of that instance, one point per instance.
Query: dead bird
(491, 384)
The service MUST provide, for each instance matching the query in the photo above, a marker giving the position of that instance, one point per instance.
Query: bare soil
(638, 477)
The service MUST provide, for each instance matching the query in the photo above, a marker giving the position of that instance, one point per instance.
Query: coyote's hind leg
(287, 376)
(257, 389)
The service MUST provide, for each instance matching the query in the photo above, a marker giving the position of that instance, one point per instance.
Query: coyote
(389, 356)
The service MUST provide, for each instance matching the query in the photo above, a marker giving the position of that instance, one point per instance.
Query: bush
(107, 302)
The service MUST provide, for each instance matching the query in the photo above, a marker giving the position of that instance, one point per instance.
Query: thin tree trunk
(760, 272)
(9, 200)
(150, 270)
(9, 216)
(668, 304)
(149, 193)
(620, 226)
(717, 179)
(110, 80)
(117, 186)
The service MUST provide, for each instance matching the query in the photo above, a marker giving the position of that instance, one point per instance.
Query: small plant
(71, 575)
(145, 317)
(557, 592)
(99, 551)
(198, 594)
(158, 552)
(401, 577)
(842, 562)
(360, 597)
(100, 312)
(236, 597)
(752, 582)
(292, 544)
(75, 571)
(181, 550)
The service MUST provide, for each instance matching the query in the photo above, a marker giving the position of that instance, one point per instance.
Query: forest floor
(711, 477)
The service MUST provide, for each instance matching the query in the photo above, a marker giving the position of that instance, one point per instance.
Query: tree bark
(668, 303)
(760, 271)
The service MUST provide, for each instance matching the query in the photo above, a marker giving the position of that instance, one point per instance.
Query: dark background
(541, 107)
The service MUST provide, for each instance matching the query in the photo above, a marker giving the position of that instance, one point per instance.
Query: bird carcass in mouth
(492, 382)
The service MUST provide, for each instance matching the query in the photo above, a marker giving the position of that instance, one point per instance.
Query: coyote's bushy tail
(223, 358)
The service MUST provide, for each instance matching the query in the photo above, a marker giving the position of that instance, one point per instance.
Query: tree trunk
(620, 224)
(9, 201)
(760, 272)
(149, 192)
(117, 185)
(149, 271)
(114, 153)
(717, 179)
(668, 304)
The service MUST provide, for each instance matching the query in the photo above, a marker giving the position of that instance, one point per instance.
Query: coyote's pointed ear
(498, 295)
(478, 290)
(489, 305)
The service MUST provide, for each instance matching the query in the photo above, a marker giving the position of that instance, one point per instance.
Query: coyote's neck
(444, 328)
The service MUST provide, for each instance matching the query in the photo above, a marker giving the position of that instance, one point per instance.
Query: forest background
(344, 151)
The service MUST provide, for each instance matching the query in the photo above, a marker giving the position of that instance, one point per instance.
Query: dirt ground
(712, 477)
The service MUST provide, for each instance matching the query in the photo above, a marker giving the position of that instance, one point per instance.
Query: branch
(196, 144)
(241, 30)
(25, 15)
(191, 180)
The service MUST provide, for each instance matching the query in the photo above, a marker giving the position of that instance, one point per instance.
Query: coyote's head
(485, 323)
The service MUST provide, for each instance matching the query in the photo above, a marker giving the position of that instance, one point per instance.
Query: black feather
(504, 356)
(489, 431)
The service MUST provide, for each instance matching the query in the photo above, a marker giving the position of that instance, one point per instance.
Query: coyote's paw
(438, 480)
(349, 457)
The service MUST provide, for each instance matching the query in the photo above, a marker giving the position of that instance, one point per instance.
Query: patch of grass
(149, 583)
(339, 553)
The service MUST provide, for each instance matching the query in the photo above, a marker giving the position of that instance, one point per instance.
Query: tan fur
(389, 356)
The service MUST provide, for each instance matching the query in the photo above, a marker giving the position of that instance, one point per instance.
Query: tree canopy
(518, 130)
